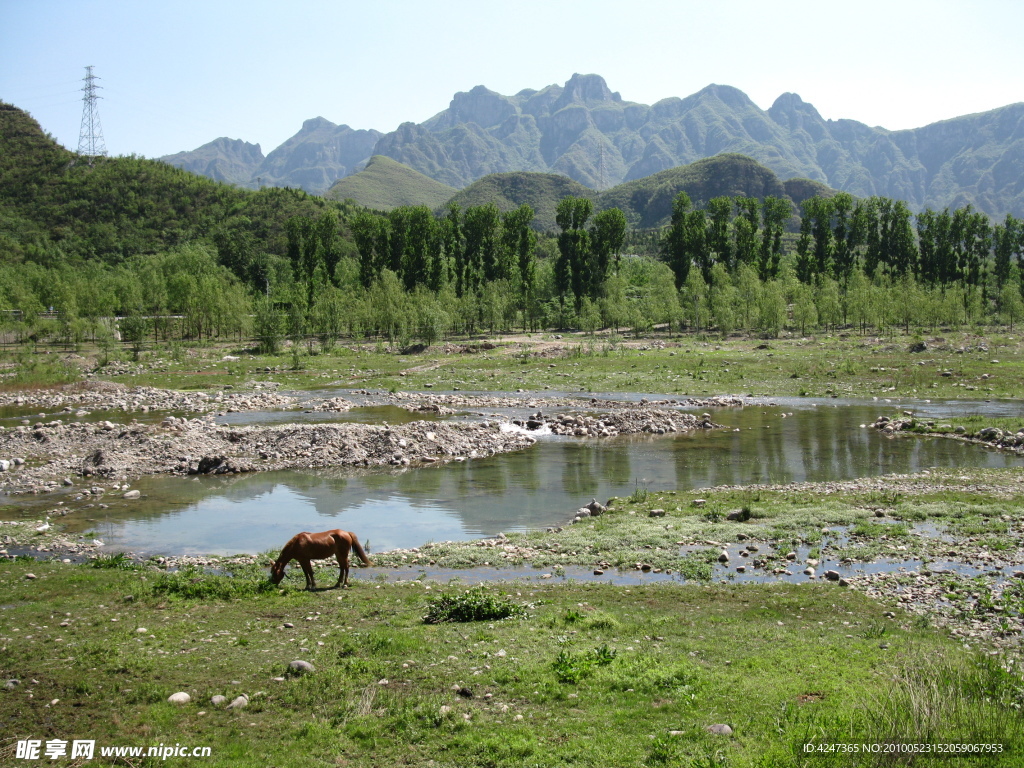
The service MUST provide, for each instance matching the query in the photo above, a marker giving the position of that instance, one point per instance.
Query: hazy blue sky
(177, 74)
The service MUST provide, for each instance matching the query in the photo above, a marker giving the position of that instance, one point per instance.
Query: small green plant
(639, 495)
(572, 667)
(119, 560)
(475, 604)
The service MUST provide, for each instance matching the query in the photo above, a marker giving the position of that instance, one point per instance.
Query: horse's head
(276, 572)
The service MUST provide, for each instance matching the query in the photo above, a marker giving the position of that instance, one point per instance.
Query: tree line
(410, 275)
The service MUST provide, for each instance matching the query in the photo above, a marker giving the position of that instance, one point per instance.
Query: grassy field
(583, 675)
(957, 365)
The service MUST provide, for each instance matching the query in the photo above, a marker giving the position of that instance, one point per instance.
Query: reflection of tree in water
(613, 464)
(536, 487)
(420, 481)
(579, 476)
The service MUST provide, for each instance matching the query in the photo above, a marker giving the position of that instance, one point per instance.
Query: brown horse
(307, 546)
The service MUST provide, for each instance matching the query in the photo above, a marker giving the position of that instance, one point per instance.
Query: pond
(779, 442)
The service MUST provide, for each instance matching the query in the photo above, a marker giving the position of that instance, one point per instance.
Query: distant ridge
(385, 184)
(541, 191)
(585, 131)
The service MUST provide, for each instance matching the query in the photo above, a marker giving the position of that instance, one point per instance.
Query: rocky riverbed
(41, 456)
(994, 437)
(80, 400)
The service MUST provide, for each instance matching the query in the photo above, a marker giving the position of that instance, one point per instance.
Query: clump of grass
(572, 667)
(639, 495)
(120, 561)
(192, 583)
(475, 604)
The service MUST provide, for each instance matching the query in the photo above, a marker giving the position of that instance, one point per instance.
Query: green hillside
(541, 191)
(385, 184)
(647, 202)
(57, 206)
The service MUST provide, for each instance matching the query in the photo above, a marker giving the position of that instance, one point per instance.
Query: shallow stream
(779, 442)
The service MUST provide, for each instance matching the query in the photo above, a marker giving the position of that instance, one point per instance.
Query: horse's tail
(358, 549)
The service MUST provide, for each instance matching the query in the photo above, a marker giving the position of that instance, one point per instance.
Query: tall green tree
(571, 275)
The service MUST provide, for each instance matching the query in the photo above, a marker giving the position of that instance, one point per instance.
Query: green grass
(847, 365)
(588, 675)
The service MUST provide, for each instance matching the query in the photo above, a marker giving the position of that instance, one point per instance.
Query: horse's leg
(343, 550)
(307, 568)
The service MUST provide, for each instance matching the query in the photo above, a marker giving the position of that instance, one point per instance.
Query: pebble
(179, 698)
(300, 667)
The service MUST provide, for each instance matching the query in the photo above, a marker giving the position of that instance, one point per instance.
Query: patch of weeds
(875, 631)
(873, 530)
(474, 604)
(639, 495)
(192, 583)
(665, 750)
(601, 620)
(699, 565)
(120, 561)
(572, 667)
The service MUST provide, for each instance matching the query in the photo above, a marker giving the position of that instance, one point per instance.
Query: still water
(788, 441)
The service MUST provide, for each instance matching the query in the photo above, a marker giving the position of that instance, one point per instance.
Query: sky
(176, 74)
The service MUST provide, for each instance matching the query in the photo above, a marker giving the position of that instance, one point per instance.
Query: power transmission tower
(90, 135)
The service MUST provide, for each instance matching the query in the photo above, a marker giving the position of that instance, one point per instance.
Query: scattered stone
(218, 700)
(179, 698)
(719, 728)
(131, 495)
(239, 702)
(299, 667)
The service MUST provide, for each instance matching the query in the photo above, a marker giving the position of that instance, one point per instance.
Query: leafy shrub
(474, 604)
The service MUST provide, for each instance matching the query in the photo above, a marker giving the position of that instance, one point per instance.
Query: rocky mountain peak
(585, 89)
(792, 112)
(315, 124)
(481, 106)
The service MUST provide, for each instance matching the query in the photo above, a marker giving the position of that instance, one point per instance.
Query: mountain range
(587, 132)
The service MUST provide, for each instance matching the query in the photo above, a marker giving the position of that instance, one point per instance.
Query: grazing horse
(307, 546)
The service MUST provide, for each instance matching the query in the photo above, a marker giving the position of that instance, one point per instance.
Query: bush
(475, 604)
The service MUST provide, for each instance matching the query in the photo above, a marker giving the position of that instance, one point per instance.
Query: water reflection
(530, 489)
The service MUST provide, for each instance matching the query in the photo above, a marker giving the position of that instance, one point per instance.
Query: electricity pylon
(90, 135)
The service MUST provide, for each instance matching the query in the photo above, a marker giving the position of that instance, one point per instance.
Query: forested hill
(647, 203)
(541, 191)
(585, 131)
(57, 206)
